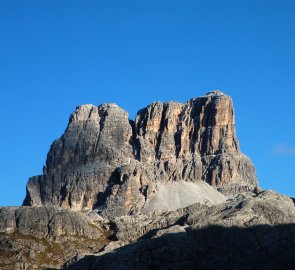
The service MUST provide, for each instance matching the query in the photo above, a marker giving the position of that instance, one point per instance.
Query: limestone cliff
(108, 162)
(169, 190)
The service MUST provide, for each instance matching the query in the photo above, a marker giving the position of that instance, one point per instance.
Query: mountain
(106, 161)
(169, 190)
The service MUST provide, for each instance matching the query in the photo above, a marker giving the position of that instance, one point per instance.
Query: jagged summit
(90, 108)
(105, 161)
(215, 93)
(89, 111)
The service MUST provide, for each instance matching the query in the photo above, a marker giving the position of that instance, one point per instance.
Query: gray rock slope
(38, 238)
(246, 232)
(108, 162)
(178, 194)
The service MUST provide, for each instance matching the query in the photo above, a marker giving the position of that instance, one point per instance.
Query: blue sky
(57, 54)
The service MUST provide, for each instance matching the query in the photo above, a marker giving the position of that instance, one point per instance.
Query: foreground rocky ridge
(108, 162)
(246, 232)
(42, 237)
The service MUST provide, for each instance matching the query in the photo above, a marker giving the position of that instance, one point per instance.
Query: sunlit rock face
(106, 161)
(46, 237)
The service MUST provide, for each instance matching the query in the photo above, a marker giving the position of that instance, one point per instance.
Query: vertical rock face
(106, 161)
(80, 164)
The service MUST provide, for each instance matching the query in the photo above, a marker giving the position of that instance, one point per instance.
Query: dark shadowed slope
(212, 247)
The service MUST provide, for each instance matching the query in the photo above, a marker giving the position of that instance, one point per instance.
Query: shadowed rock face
(246, 232)
(214, 247)
(106, 161)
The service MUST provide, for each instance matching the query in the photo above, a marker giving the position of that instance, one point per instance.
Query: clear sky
(57, 54)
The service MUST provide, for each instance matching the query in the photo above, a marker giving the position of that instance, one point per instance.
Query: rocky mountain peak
(170, 188)
(215, 93)
(90, 112)
(106, 161)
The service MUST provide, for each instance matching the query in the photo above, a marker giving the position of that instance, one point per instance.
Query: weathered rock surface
(246, 232)
(245, 210)
(108, 162)
(170, 190)
(39, 238)
(174, 195)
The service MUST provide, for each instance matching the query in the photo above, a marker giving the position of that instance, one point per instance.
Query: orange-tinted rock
(106, 161)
